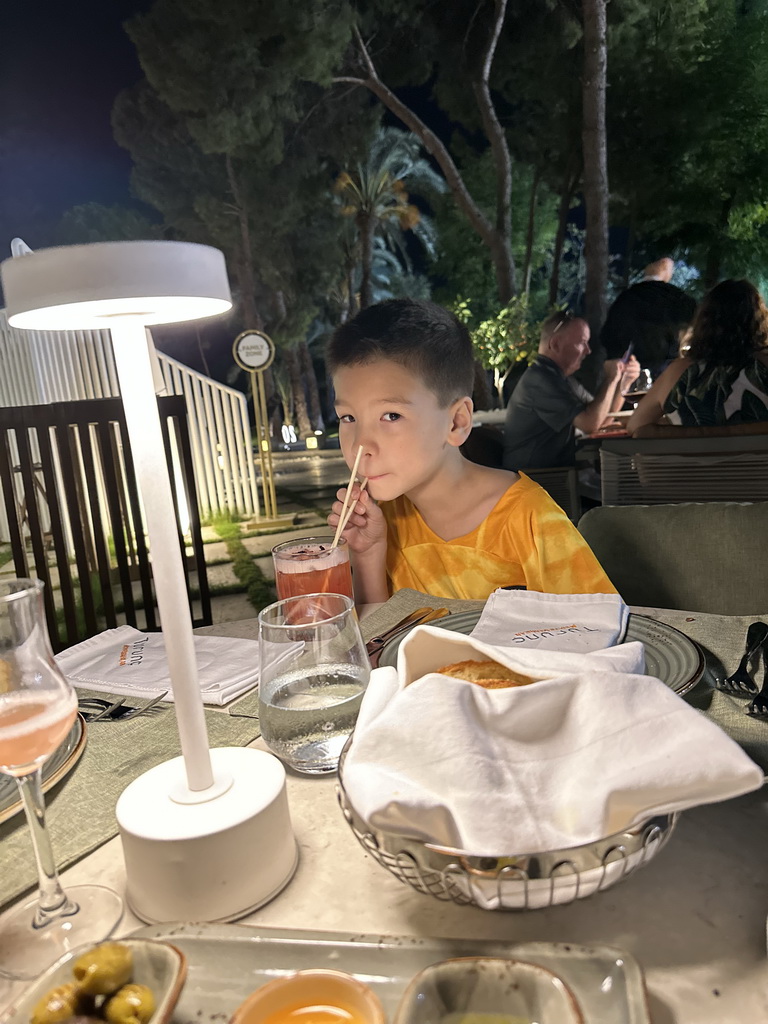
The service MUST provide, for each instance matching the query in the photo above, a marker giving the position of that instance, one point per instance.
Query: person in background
(650, 316)
(430, 519)
(723, 378)
(548, 404)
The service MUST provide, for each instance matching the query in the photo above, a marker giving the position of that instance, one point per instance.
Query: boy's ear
(461, 421)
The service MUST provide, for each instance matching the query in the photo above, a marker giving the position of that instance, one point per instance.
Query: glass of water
(313, 671)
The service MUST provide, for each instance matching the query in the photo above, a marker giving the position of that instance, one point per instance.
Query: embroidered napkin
(131, 663)
(528, 620)
(589, 749)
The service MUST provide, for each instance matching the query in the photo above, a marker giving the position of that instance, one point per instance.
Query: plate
(227, 962)
(61, 763)
(670, 655)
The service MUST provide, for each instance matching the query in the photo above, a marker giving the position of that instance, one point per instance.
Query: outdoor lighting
(311, 442)
(183, 822)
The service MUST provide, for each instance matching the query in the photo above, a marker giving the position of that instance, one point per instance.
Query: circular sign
(253, 350)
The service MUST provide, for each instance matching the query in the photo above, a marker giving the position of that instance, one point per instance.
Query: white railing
(39, 367)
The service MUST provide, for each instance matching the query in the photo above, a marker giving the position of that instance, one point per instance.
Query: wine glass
(640, 385)
(37, 710)
(313, 671)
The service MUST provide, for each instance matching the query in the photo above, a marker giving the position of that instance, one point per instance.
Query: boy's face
(398, 420)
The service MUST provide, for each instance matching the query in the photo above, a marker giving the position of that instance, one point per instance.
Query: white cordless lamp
(188, 813)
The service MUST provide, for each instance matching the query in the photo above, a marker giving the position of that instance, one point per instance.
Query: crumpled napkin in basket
(528, 620)
(128, 662)
(590, 749)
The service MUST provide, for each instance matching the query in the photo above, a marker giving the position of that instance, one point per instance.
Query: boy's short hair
(418, 335)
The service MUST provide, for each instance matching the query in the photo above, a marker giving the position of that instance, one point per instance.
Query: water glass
(313, 672)
(312, 565)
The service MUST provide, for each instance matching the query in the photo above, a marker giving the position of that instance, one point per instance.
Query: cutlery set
(419, 617)
(741, 682)
(95, 709)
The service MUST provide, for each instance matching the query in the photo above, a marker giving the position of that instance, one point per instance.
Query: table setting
(324, 836)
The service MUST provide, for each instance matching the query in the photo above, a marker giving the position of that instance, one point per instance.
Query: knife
(419, 617)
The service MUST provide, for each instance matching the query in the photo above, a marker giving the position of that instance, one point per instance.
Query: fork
(758, 706)
(741, 684)
(117, 711)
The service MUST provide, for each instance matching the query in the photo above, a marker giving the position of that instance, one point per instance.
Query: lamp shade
(83, 287)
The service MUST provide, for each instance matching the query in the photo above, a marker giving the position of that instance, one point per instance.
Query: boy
(429, 519)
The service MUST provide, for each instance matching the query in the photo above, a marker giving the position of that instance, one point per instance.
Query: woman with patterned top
(723, 379)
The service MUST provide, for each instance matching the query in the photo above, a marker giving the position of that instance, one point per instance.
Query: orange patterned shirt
(526, 540)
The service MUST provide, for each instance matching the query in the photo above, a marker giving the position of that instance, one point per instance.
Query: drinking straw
(351, 508)
(347, 496)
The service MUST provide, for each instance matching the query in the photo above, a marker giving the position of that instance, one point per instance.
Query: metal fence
(40, 367)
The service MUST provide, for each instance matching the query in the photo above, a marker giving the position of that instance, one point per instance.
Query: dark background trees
(249, 116)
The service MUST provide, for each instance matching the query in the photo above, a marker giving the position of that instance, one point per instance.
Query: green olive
(59, 1004)
(102, 970)
(133, 1004)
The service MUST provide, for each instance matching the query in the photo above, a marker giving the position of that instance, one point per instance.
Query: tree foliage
(375, 193)
(502, 341)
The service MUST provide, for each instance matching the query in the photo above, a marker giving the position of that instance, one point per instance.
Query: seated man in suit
(548, 404)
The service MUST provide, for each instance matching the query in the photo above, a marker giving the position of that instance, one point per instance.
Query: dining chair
(485, 446)
(75, 517)
(701, 557)
(705, 465)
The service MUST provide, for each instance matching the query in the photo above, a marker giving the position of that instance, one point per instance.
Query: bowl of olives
(130, 981)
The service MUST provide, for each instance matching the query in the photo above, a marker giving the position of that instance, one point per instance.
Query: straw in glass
(346, 508)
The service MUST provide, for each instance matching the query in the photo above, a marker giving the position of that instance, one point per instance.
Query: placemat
(722, 638)
(403, 603)
(81, 808)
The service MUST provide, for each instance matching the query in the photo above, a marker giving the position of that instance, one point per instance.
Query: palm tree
(376, 195)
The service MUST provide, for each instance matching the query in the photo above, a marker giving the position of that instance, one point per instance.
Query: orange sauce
(319, 1013)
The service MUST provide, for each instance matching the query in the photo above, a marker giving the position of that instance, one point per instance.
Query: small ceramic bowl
(482, 990)
(159, 965)
(284, 999)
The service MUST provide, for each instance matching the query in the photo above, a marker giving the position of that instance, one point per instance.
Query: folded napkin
(590, 749)
(558, 622)
(128, 662)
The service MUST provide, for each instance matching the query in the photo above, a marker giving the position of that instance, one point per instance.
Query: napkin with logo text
(131, 663)
(588, 749)
(528, 620)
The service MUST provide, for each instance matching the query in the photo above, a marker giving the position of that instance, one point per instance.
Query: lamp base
(211, 861)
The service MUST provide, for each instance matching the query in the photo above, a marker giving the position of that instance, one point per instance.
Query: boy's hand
(366, 527)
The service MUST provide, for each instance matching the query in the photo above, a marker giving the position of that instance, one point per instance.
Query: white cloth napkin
(130, 663)
(559, 622)
(590, 749)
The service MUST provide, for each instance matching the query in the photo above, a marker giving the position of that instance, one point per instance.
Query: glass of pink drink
(37, 709)
(310, 565)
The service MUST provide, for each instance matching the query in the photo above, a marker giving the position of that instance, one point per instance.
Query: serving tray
(227, 962)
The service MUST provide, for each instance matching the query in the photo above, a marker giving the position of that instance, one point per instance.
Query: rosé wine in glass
(32, 726)
(37, 710)
(310, 565)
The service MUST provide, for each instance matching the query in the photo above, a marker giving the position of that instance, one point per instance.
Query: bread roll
(489, 674)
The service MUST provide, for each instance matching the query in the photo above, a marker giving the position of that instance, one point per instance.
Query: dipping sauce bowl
(311, 997)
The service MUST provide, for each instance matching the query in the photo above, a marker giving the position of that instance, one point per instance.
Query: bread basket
(520, 881)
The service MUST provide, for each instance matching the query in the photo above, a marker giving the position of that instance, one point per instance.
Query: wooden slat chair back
(75, 516)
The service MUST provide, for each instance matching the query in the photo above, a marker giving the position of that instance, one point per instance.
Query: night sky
(62, 64)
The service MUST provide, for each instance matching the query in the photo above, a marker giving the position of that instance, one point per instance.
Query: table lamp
(206, 836)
